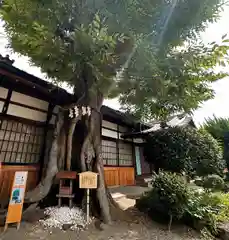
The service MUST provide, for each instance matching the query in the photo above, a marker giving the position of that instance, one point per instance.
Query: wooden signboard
(16, 199)
(88, 180)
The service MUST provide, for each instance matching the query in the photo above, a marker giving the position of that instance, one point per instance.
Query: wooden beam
(7, 102)
(24, 81)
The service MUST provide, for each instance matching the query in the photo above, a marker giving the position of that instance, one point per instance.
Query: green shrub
(214, 182)
(226, 187)
(168, 198)
(206, 235)
(201, 210)
(184, 149)
(171, 197)
(207, 210)
(199, 182)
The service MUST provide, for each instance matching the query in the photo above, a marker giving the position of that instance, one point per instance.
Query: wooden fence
(119, 176)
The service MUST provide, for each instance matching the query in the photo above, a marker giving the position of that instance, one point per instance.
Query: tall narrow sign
(88, 180)
(16, 199)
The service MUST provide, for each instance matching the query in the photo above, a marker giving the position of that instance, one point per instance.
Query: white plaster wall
(109, 125)
(138, 140)
(3, 92)
(29, 101)
(1, 105)
(109, 133)
(26, 113)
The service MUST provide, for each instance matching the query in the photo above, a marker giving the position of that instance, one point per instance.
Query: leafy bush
(219, 129)
(207, 209)
(206, 235)
(184, 149)
(226, 187)
(199, 182)
(214, 182)
(200, 211)
(171, 197)
(168, 198)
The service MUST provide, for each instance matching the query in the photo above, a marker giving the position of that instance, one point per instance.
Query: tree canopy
(217, 127)
(85, 43)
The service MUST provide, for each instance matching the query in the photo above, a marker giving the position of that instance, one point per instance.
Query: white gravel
(57, 217)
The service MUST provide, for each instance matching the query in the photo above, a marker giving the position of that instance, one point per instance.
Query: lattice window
(109, 152)
(19, 142)
(125, 154)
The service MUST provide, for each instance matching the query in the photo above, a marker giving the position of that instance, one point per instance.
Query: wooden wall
(119, 176)
(6, 179)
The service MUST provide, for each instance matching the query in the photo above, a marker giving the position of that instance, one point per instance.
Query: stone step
(118, 196)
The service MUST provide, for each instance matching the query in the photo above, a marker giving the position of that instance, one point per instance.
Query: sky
(216, 106)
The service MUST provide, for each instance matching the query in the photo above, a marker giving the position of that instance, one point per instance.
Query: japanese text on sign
(88, 180)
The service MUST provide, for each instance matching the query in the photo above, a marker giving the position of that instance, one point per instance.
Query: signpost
(88, 180)
(16, 199)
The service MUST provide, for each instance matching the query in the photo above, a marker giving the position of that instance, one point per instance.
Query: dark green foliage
(207, 210)
(213, 182)
(199, 182)
(171, 196)
(200, 211)
(168, 197)
(184, 149)
(219, 129)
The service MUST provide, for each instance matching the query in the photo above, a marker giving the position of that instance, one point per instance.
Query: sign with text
(17, 198)
(88, 180)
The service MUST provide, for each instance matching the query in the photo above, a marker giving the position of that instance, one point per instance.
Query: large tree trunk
(44, 186)
(102, 193)
(69, 142)
(91, 159)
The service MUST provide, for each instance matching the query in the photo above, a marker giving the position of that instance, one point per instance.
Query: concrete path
(129, 191)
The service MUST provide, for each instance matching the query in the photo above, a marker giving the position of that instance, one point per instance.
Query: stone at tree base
(104, 226)
(34, 215)
(101, 226)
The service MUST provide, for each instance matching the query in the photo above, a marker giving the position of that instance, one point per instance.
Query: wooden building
(28, 110)
(123, 157)
(143, 169)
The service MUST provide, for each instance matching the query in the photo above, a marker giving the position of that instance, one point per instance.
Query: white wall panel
(138, 140)
(3, 92)
(109, 133)
(29, 101)
(26, 113)
(109, 125)
(1, 105)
